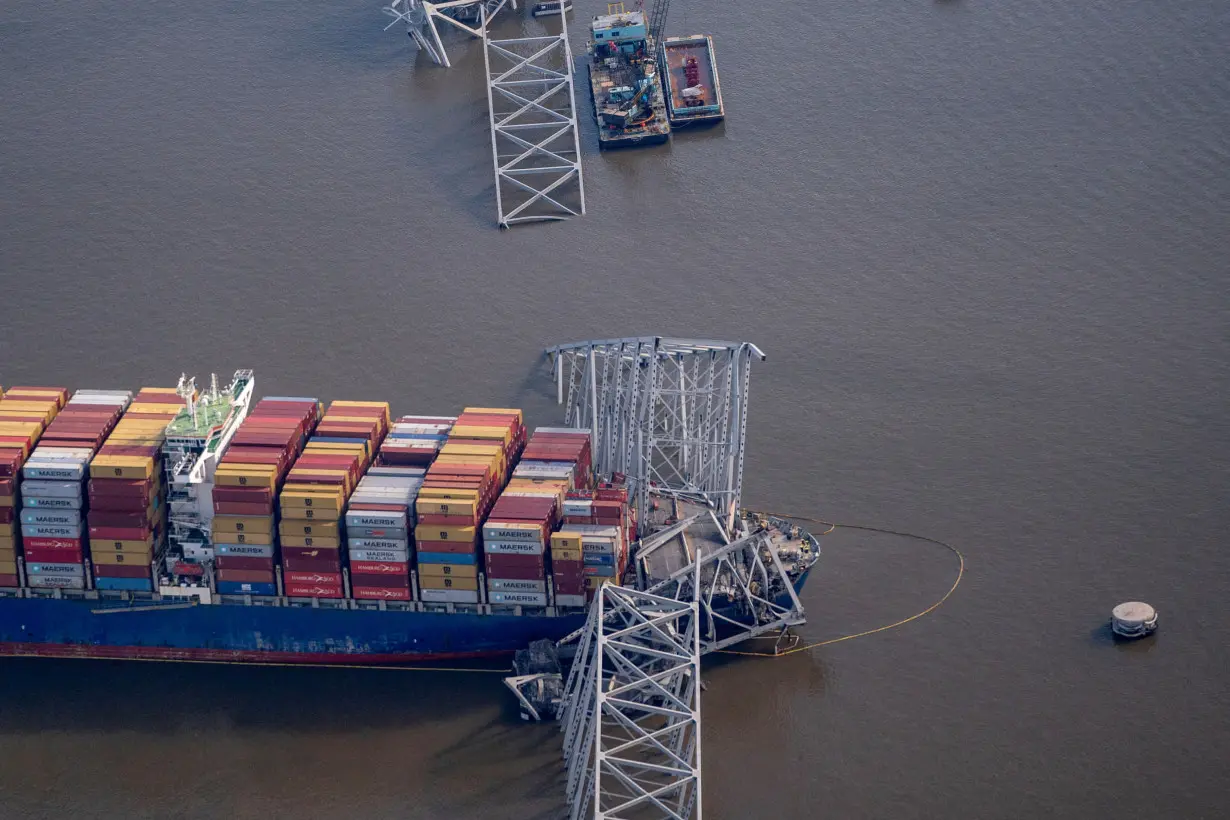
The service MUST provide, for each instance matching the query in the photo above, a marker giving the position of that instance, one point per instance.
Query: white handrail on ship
(203, 470)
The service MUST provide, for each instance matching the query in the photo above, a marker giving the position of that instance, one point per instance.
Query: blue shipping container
(126, 584)
(246, 588)
(447, 558)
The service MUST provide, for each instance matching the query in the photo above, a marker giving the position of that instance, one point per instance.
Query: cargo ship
(624, 80)
(179, 525)
(693, 90)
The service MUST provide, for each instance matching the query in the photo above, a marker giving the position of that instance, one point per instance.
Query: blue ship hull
(51, 627)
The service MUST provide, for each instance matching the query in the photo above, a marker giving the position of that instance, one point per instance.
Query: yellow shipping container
(7, 501)
(500, 434)
(448, 570)
(565, 540)
(128, 467)
(150, 409)
(6, 530)
(7, 542)
(311, 541)
(435, 506)
(263, 539)
(127, 558)
(243, 523)
(445, 532)
(442, 582)
(246, 475)
(563, 554)
(310, 514)
(446, 492)
(310, 499)
(122, 546)
(8, 567)
(321, 528)
(595, 581)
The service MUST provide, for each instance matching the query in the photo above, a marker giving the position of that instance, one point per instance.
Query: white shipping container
(518, 598)
(515, 585)
(65, 518)
(378, 544)
(245, 550)
(33, 501)
(51, 489)
(56, 569)
(54, 469)
(50, 531)
(56, 581)
(512, 532)
(570, 600)
(374, 518)
(448, 596)
(514, 547)
(393, 556)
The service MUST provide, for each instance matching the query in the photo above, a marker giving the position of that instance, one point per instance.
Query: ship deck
(652, 132)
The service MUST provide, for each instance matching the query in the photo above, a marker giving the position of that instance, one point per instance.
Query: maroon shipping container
(497, 560)
(461, 547)
(235, 508)
(244, 495)
(61, 544)
(118, 518)
(569, 586)
(10, 461)
(313, 590)
(312, 566)
(115, 503)
(131, 450)
(380, 568)
(333, 554)
(122, 570)
(120, 533)
(392, 581)
(38, 556)
(8, 580)
(361, 507)
(121, 488)
(249, 576)
(244, 562)
(7, 514)
(517, 573)
(375, 593)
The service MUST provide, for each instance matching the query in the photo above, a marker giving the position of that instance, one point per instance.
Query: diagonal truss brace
(632, 720)
(535, 140)
(743, 588)
(421, 17)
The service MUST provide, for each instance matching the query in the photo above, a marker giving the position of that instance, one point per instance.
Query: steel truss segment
(632, 709)
(743, 588)
(671, 415)
(535, 140)
(421, 17)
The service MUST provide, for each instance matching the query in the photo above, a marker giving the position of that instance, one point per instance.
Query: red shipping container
(130, 519)
(121, 571)
(244, 562)
(378, 507)
(249, 576)
(391, 581)
(8, 580)
(313, 591)
(135, 450)
(380, 593)
(121, 533)
(500, 561)
(460, 547)
(243, 495)
(120, 487)
(517, 573)
(331, 553)
(325, 578)
(380, 568)
(329, 565)
(73, 556)
(60, 544)
(7, 514)
(235, 508)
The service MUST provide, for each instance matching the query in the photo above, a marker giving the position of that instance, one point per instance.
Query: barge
(629, 105)
(693, 89)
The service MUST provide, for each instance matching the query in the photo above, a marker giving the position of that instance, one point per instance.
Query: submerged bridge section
(531, 105)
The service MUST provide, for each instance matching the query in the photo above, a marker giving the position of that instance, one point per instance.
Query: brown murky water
(984, 244)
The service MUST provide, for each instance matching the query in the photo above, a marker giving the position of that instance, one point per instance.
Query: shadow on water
(45, 694)
(1103, 636)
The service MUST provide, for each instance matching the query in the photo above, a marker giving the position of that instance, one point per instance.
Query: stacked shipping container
(25, 413)
(414, 441)
(53, 489)
(379, 524)
(313, 500)
(459, 490)
(127, 517)
(246, 484)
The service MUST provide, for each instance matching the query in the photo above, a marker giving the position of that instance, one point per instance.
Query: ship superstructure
(195, 441)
